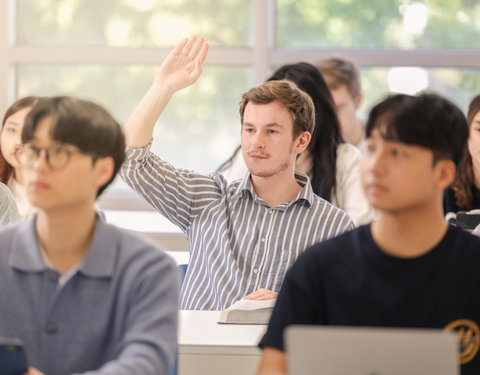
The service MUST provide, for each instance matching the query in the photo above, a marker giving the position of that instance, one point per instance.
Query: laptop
(333, 350)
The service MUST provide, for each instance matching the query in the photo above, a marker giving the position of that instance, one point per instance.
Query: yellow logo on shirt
(468, 337)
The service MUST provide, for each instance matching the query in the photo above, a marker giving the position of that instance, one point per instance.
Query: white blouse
(23, 204)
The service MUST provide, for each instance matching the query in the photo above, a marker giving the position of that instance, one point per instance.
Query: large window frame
(261, 56)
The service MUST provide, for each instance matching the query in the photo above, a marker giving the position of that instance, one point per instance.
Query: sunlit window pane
(200, 127)
(460, 86)
(133, 23)
(374, 24)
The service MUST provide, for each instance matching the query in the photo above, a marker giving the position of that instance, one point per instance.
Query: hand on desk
(33, 371)
(261, 295)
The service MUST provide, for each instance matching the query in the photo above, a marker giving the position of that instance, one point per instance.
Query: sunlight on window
(407, 80)
(168, 29)
(65, 14)
(462, 16)
(117, 32)
(141, 5)
(415, 18)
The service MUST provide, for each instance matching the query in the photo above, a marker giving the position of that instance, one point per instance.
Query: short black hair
(81, 123)
(427, 120)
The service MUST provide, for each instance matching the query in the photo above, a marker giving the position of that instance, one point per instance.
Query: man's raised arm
(180, 69)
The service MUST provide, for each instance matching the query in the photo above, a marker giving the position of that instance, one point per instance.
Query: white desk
(150, 224)
(208, 348)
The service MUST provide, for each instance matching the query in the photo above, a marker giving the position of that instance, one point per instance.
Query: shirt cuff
(138, 153)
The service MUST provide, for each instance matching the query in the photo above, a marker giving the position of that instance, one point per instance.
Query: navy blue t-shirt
(350, 281)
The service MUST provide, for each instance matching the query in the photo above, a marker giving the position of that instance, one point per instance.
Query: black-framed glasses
(57, 156)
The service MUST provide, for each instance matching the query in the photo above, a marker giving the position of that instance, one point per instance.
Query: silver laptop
(331, 350)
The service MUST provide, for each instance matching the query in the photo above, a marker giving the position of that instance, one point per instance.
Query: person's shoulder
(134, 247)
(10, 233)
(4, 189)
(459, 237)
(6, 196)
(347, 152)
(340, 246)
(323, 208)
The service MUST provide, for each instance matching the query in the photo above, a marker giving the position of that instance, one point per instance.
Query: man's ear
(445, 173)
(104, 168)
(358, 100)
(302, 142)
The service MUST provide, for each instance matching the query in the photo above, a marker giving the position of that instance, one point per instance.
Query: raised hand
(183, 65)
(180, 69)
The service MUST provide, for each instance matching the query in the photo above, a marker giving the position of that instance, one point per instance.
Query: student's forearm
(273, 362)
(180, 69)
(139, 127)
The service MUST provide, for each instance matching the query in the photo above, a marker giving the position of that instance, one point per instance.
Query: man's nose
(41, 161)
(259, 140)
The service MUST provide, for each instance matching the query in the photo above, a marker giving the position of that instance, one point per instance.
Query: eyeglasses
(57, 156)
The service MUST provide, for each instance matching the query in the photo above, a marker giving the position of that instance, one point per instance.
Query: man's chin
(262, 174)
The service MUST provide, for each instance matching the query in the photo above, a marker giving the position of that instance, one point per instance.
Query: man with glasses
(82, 295)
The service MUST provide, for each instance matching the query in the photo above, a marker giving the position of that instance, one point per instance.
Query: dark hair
(382, 112)
(426, 120)
(6, 170)
(81, 123)
(464, 178)
(298, 103)
(326, 135)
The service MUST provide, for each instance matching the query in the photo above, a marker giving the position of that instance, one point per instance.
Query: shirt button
(50, 329)
(263, 239)
(255, 271)
(53, 276)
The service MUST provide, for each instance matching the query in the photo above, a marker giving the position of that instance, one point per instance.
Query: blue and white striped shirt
(238, 244)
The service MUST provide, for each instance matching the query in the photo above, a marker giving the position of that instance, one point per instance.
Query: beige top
(23, 204)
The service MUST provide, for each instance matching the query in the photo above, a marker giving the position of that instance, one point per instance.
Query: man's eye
(60, 150)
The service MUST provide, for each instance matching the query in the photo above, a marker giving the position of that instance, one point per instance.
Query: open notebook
(330, 350)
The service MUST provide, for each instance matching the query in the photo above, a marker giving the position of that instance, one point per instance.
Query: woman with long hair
(332, 165)
(10, 138)
(464, 194)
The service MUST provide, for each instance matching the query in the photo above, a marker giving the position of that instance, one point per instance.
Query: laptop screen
(332, 350)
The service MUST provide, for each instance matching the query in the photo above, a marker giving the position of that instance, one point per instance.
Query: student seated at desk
(407, 269)
(84, 296)
(243, 236)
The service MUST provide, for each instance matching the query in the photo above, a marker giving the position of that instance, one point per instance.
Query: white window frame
(260, 57)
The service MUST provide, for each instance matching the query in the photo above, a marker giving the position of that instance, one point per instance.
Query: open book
(248, 312)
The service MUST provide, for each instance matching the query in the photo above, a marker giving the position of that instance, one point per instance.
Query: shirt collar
(245, 188)
(99, 261)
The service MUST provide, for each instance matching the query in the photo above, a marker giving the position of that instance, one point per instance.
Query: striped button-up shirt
(238, 243)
